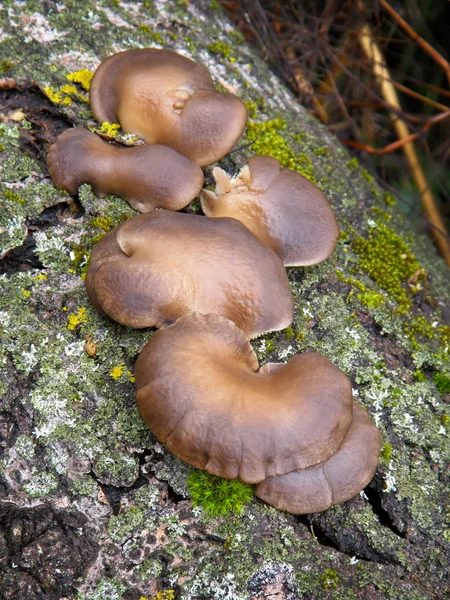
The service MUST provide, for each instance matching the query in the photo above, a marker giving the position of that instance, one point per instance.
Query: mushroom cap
(166, 98)
(157, 267)
(198, 391)
(282, 208)
(147, 177)
(334, 480)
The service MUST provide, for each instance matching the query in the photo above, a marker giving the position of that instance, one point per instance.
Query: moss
(389, 261)
(10, 195)
(6, 66)
(221, 49)
(154, 35)
(419, 376)
(389, 199)
(289, 333)
(442, 382)
(386, 453)
(83, 77)
(217, 496)
(321, 152)
(329, 579)
(267, 140)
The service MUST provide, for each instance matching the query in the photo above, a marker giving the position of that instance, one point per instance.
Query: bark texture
(91, 506)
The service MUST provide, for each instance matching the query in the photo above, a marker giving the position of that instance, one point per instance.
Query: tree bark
(91, 505)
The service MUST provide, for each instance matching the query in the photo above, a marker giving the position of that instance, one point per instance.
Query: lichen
(83, 77)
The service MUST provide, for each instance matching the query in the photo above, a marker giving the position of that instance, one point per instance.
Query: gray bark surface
(91, 505)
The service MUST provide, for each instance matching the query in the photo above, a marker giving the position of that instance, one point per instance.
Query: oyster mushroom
(166, 98)
(157, 267)
(199, 391)
(334, 480)
(147, 177)
(282, 208)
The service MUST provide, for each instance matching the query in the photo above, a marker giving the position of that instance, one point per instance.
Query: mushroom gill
(199, 391)
(333, 481)
(282, 208)
(166, 98)
(157, 267)
(147, 177)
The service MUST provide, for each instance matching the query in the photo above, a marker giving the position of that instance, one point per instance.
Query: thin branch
(426, 47)
(383, 78)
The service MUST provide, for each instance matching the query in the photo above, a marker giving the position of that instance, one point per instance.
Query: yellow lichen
(75, 319)
(68, 89)
(117, 372)
(40, 277)
(56, 97)
(109, 128)
(83, 77)
(25, 293)
(166, 595)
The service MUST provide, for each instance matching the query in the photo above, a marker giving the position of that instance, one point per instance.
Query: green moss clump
(222, 50)
(388, 260)
(329, 579)
(147, 30)
(419, 376)
(218, 496)
(5, 66)
(442, 382)
(390, 199)
(386, 453)
(267, 140)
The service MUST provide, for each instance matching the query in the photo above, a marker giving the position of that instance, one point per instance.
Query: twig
(426, 47)
(388, 91)
(399, 143)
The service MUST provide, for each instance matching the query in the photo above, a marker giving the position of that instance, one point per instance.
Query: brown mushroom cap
(282, 208)
(200, 395)
(333, 481)
(155, 268)
(147, 177)
(167, 99)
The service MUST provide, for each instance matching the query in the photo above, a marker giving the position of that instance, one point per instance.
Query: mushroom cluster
(211, 283)
(171, 102)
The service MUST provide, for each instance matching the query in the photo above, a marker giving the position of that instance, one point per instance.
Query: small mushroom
(157, 267)
(166, 98)
(147, 177)
(333, 481)
(282, 208)
(200, 394)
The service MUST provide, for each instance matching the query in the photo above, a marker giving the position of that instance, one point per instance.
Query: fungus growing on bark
(147, 177)
(333, 481)
(199, 391)
(166, 98)
(282, 208)
(157, 267)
